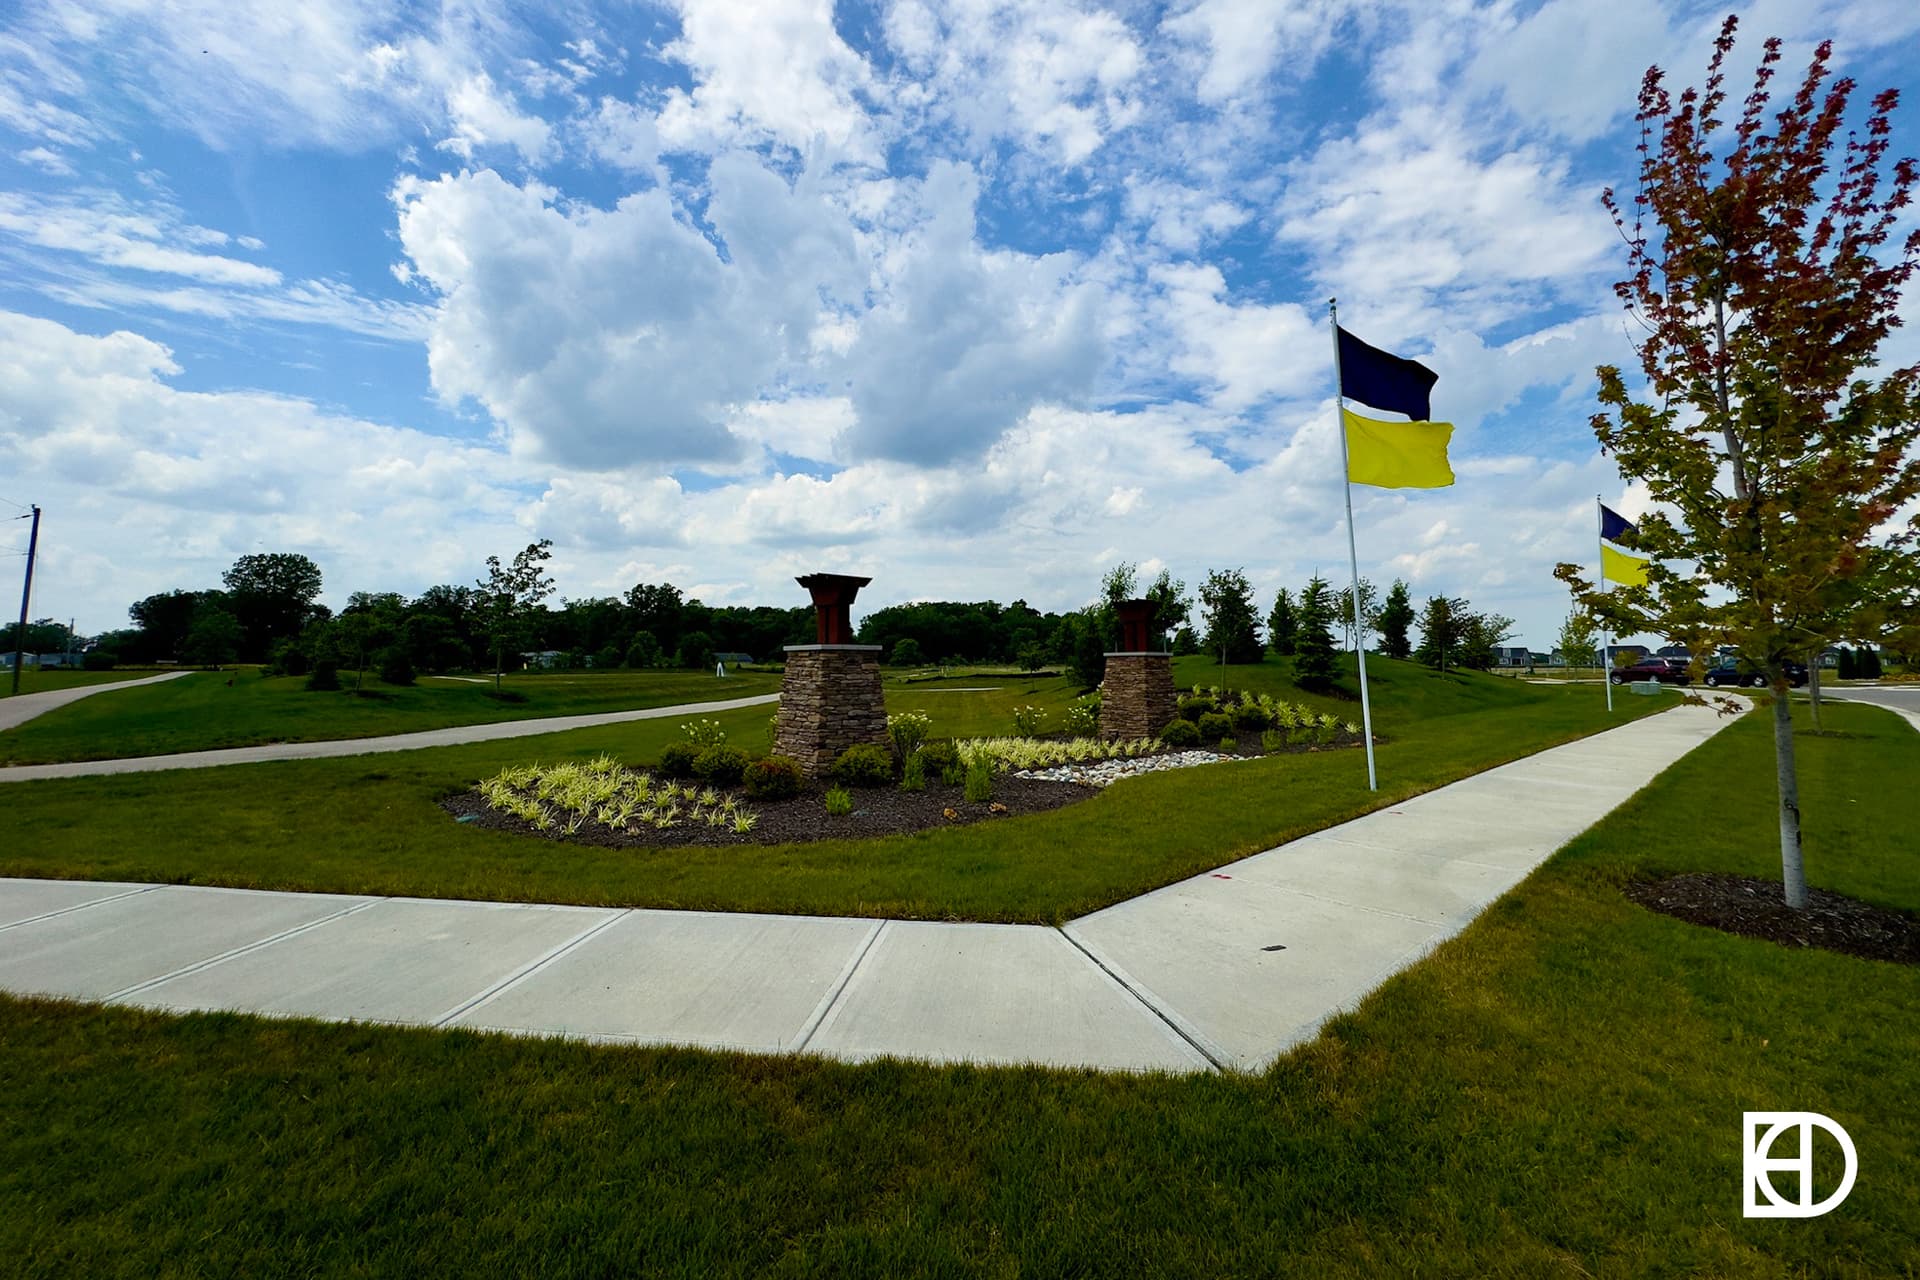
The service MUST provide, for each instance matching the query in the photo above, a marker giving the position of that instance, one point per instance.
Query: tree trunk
(1813, 687)
(1792, 870)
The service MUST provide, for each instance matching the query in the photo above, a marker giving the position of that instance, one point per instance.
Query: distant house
(544, 659)
(1512, 656)
(733, 659)
(1609, 659)
(46, 660)
(1673, 651)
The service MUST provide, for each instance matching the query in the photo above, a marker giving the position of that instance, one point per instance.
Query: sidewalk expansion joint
(832, 998)
(527, 970)
(1191, 1040)
(210, 961)
(67, 911)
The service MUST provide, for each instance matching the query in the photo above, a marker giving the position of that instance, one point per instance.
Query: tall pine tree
(1313, 638)
(1396, 615)
(1281, 625)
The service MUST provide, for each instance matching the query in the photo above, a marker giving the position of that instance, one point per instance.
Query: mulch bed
(1756, 909)
(878, 811)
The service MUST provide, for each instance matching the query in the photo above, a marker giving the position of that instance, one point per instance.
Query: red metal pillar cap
(1136, 624)
(833, 595)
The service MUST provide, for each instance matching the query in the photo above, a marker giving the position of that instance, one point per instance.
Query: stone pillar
(1137, 699)
(830, 699)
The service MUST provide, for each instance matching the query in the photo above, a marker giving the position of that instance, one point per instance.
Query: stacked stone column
(831, 697)
(1137, 699)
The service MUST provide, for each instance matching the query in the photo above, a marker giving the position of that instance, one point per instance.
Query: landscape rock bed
(878, 811)
(1758, 909)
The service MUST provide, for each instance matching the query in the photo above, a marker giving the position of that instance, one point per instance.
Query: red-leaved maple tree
(1779, 454)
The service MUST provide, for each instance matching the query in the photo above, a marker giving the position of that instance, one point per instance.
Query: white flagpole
(1606, 648)
(1353, 552)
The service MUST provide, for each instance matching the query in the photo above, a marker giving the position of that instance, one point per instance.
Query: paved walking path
(1901, 699)
(450, 737)
(1225, 970)
(20, 708)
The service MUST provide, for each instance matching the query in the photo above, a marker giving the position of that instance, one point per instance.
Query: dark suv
(1665, 670)
(1739, 671)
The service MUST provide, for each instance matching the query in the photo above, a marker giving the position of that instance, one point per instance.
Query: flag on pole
(1382, 380)
(1397, 455)
(1618, 566)
(1615, 527)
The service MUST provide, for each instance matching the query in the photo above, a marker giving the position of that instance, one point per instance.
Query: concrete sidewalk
(449, 737)
(1226, 970)
(20, 708)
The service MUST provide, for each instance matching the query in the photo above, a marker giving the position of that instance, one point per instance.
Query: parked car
(1739, 671)
(1665, 670)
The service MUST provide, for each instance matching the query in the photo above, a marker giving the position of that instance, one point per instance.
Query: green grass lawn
(371, 824)
(1556, 1092)
(203, 711)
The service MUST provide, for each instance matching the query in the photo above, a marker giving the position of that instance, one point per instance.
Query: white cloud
(1244, 43)
(1056, 77)
(967, 340)
(115, 234)
(1241, 353)
(147, 487)
(483, 115)
(766, 69)
(595, 337)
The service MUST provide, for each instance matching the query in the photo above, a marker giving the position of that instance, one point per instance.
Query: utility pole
(26, 594)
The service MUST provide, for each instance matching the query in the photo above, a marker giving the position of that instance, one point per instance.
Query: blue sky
(975, 298)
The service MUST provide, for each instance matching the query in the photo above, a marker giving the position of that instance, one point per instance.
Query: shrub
(704, 733)
(607, 658)
(774, 778)
(98, 660)
(1083, 717)
(722, 766)
(1181, 733)
(395, 667)
(1195, 706)
(979, 780)
(677, 760)
(1273, 740)
(1213, 726)
(941, 757)
(1229, 744)
(913, 775)
(325, 677)
(863, 765)
(1027, 721)
(1251, 715)
(839, 802)
(908, 730)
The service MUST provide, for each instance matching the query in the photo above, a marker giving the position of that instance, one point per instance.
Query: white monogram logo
(1761, 1199)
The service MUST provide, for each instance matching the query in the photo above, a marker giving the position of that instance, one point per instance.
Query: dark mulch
(1757, 909)
(879, 811)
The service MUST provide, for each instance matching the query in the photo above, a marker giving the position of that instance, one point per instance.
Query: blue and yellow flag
(1397, 455)
(1618, 566)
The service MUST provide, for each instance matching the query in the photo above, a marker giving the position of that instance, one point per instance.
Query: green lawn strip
(371, 824)
(1556, 1092)
(204, 712)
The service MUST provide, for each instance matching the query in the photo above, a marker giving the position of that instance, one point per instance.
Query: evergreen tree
(1396, 615)
(1442, 626)
(1281, 625)
(1313, 638)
